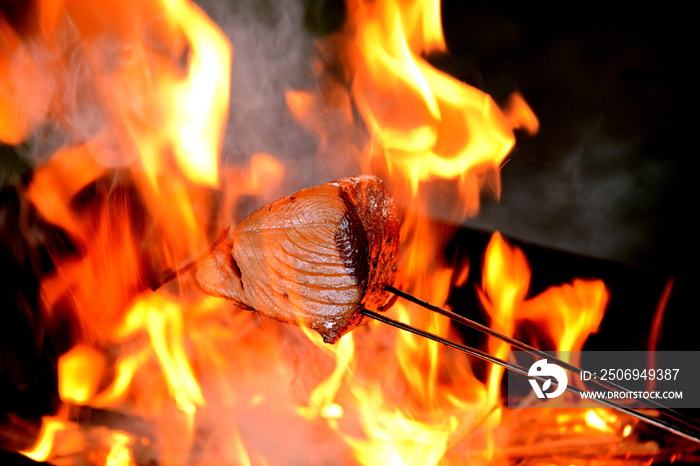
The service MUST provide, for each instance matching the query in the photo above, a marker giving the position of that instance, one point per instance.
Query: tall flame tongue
(428, 133)
(124, 105)
(129, 100)
(153, 78)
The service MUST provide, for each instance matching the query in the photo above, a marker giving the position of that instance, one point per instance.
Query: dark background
(610, 173)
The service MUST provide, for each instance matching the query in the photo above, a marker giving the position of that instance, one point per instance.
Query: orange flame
(565, 313)
(505, 286)
(158, 102)
(426, 126)
(162, 319)
(42, 448)
(569, 312)
(79, 374)
(139, 93)
(429, 124)
(138, 189)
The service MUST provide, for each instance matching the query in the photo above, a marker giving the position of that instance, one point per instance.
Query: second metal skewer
(682, 426)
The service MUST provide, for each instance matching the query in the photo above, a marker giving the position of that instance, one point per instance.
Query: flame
(600, 419)
(42, 448)
(505, 285)
(154, 77)
(120, 452)
(323, 395)
(139, 92)
(569, 312)
(429, 124)
(79, 373)
(162, 319)
(425, 127)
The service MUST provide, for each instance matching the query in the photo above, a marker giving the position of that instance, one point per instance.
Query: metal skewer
(688, 429)
(515, 343)
(534, 351)
(181, 271)
(683, 426)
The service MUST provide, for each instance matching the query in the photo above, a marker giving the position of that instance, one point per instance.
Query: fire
(162, 320)
(566, 313)
(506, 281)
(42, 448)
(80, 371)
(120, 453)
(154, 77)
(569, 312)
(140, 94)
(418, 113)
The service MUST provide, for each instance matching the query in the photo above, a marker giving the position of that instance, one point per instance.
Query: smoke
(272, 55)
(591, 202)
(604, 176)
(607, 175)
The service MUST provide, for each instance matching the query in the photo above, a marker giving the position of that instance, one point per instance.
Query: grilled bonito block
(315, 258)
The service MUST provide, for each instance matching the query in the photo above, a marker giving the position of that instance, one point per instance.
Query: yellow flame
(200, 101)
(425, 126)
(163, 321)
(42, 448)
(120, 453)
(322, 397)
(601, 420)
(166, 100)
(429, 124)
(627, 430)
(506, 283)
(79, 374)
(125, 369)
(395, 438)
(568, 312)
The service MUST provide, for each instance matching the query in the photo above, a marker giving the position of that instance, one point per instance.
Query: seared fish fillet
(315, 258)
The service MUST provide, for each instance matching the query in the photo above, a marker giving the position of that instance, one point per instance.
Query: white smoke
(586, 185)
(272, 54)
